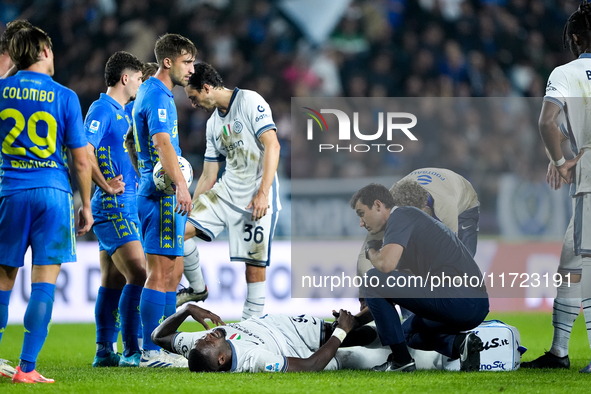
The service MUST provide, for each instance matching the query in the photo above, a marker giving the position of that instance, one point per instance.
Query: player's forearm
(161, 334)
(364, 316)
(318, 361)
(551, 137)
(83, 174)
(131, 151)
(270, 163)
(208, 177)
(170, 162)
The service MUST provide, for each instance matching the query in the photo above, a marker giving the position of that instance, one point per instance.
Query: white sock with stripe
(564, 314)
(192, 268)
(255, 300)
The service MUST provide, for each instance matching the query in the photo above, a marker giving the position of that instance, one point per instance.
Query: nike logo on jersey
(465, 227)
(252, 253)
(217, 137)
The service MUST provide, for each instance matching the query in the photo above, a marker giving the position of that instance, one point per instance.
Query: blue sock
(37, 318)
(152, 314)
(106, 316)
(4, 301)
(170, 307)
(130, 318)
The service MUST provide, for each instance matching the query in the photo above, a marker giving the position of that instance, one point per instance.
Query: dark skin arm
(322, 356)
(163, 335)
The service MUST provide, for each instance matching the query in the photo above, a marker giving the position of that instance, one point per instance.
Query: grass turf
(69, 350)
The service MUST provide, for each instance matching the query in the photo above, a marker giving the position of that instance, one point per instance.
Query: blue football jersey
(39, 119)
(106, 126)
(154, 112)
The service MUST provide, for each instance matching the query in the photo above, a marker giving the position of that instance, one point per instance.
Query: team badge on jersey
(162, 114)
(94, 125)
(237, 127)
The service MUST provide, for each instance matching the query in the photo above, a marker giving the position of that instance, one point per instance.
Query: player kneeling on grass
(415, 242)
(271, 343)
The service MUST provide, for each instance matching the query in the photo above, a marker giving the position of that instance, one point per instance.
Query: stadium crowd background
(380, 48)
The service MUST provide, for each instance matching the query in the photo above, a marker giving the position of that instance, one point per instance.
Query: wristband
(339, 333)
(559, 162)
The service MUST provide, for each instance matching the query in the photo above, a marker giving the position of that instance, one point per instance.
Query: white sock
(192, 268)
(564, 314)
(255, 300)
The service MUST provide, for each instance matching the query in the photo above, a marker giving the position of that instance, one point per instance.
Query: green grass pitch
(69, 349)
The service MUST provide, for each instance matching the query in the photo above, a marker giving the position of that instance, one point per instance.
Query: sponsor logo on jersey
(261, 117)
(260, 108)
(94, 125)
(272, 367)
(162, 114)
(549, 87)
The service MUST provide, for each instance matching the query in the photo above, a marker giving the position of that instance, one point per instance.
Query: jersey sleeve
(258, 113)
(398, 228)
(183, 342)
(557, 88)
(96, 125)
(212, 154)
(74, 127)
(159, 115)
(257, 360)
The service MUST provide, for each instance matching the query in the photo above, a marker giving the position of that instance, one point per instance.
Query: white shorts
(250, 241)
(582, 225)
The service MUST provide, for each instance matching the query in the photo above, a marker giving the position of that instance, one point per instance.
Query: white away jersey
(234, 138)
(263, 344)
(569, 87)
(452, 193)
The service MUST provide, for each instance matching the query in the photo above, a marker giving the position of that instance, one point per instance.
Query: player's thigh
(208, 216)
(130, 260)
(162, 229)
(582, 225)
(15, 224)
(250, 241)
(52, 233)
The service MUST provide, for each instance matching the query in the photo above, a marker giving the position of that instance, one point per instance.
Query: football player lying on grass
(271, 343)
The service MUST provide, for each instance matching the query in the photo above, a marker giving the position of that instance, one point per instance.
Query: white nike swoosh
(463, 228)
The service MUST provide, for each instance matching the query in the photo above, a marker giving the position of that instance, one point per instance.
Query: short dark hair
(150, 69)
(370, 193)
(172, 46)
(199, 362)
(409, 192)
(579, 23)
(118, 63)
(11, 28)
(26, 46)
(205, 74)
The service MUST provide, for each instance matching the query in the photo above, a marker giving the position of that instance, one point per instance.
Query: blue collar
(236, 90)
(34, 74)
(585, 55)
(160, 84)
(430, 203)
(234, 358)
(112, 101)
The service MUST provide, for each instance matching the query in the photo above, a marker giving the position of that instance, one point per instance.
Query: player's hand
(259, 205)
(200, 314)
(116, 185)
(345, 320)
(183, 199)
(85, 220)
(362, 304)
(553, 177)
(375, 244)
(567, 169)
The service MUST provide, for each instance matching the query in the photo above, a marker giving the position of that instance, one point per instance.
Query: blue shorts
(163, 229)
(118, 230)
(41, 218)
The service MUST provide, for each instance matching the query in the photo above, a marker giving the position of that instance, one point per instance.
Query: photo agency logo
(396, 122)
